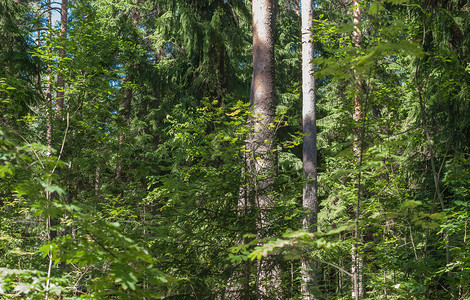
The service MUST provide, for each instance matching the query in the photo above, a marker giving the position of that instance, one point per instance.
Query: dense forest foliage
(155, 149)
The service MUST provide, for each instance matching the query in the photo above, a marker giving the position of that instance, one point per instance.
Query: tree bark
(261, 143)
(356, 266)
(59, 105)
(309, 150)
(263, 100)
(48, 91)
(356, 39)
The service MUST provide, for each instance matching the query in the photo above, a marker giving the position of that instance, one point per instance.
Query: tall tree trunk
(263, 100)
(309, 143)
(357, 291)
(59, 105)
(261, 144)
(48, 91)
(260, 160)
(49, 112)
(357, 38)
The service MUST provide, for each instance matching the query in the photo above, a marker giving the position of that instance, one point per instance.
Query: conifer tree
(261, 144)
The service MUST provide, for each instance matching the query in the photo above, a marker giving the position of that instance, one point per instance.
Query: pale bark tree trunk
(357, 262)
(48, 91)
(97, 180)
(49, 112)
(59, 105)
(261, 144)
(357, 38)
(309, 144)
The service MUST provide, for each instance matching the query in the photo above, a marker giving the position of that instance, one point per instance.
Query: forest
(234, 149)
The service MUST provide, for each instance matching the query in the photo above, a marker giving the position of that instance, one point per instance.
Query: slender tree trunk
(309, 150)
(59, 105)
(49, 112)
(357, 38)
(357, 291)
(461, 287)
(261, 144)
(97, 180)
(48, 91)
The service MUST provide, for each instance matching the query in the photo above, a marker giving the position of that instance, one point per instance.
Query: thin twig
(49, 270)
(413, 243)
(29, 144)
(334, 266)
(63, 144)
